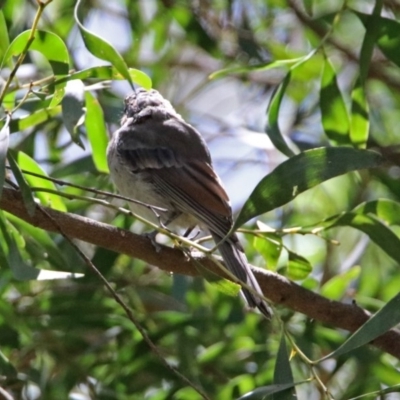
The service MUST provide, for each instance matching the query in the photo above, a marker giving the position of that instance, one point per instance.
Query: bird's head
(143, 102)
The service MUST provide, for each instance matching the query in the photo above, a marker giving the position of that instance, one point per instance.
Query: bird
(159, 159)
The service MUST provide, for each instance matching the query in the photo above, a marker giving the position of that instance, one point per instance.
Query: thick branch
(275, 287)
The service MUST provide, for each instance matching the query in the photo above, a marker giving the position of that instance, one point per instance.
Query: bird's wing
(195, 188)
(192, 186)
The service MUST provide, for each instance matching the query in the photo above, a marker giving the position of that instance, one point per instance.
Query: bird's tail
(236, 261)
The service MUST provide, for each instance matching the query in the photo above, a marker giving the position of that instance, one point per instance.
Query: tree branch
(275, 287)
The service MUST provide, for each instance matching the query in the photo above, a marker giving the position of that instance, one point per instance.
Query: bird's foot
(185, 251)
(152, 236)
(188, 234)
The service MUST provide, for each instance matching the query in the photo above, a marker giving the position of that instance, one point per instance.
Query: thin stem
(297, 349)
(105, 203)
(375, 395)
(31, 38)
(309, 362)
(160, 229)
(91, 190)
(316, 231)
(24, 98)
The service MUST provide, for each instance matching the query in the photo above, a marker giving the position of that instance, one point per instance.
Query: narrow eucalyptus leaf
(301, 173)
(386, 318)
(24, 187)
(4, 141)
(283, 373)
(101, 48)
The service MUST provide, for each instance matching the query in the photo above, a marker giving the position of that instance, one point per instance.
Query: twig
(4, 395)
(31, 38)
(91, 190)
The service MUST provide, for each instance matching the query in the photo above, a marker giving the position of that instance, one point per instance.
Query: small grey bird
(159, 159)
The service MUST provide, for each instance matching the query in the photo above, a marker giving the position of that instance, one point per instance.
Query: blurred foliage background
(262, 80)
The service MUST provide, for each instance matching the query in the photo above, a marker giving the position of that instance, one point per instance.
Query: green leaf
(335, 119)
(19, 268)
(383, 320)
(375, 229)
(371, 34)
(96, 132)
(5, 41)
(101, 48)
(51, 46)
(223, 285)
(261, 393)
(378, 393)
(269, 246)
(73, 112)
(20, 124)
(274, 106)
(6, 368)
(359, 105)
(42, 239)
(298, 267)
(336, 287)
(301, 173)
(392, 389)
(283, 373)
(367, 218)
(187, 392)
(212, 353)
(388, 39)
(4, 141)
(24, 187)
(385, 209)
(387, 34)
(272, 128)
(9, 101)
(48, 199)
(260, 67)
(47, 43)
(107, 72)
(3, 254)
(359, 126)
(308, 6)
